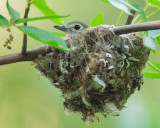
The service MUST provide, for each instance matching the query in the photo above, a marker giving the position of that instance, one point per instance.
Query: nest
(100, 72)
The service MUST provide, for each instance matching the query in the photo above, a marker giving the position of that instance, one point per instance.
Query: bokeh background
(28, 100)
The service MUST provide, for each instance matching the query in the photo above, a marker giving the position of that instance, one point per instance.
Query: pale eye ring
(77, 27)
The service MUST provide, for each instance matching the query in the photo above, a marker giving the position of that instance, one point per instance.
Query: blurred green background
(28, 100)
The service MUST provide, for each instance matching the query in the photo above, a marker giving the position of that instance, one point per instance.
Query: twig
(31, 54)
(137, 27)
(130, 17)
(24, 46)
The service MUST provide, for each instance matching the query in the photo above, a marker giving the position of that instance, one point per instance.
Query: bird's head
(72, 27)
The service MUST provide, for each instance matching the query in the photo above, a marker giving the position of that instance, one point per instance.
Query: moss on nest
(99, 73)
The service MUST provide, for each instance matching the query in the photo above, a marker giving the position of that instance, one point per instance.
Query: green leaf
(149, 39)
(122, 5)
(98, 20)
(43, 7)
(12, 12)
(155, 3)
(4, 22)
(150, 43)
(141, 12)
(156, 36)
(152, 70)
(59, 34)
(156, 33)
(158, 40)
(129, 5)
(44, 37)
(37, 18)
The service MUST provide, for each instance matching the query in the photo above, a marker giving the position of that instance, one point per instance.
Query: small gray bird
(72, 27)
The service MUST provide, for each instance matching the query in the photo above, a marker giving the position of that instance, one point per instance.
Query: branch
(24, 47)
(152, 25)
(130, 17)
(31, 54)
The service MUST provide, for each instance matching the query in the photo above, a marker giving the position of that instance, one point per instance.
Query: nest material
(99, 73)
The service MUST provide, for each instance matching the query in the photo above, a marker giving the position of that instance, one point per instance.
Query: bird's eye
(77, 27)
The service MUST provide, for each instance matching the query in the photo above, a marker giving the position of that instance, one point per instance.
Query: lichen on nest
(99, 73)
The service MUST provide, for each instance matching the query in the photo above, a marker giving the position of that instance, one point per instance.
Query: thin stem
(153, 66)
(119, 19)
(24, 47)
(136, 18)
(150, 15)
(145, 8)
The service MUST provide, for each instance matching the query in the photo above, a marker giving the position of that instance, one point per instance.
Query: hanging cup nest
(99, 73)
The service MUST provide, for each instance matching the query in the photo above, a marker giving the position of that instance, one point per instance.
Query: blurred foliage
(98, 20)
(43, 7)
(36, 33)
(122, 5)
(152, 69)
(29, 100)
(44, 36)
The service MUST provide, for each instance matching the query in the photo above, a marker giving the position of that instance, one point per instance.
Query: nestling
(72, 27)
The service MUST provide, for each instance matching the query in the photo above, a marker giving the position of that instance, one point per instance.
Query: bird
(72, 27)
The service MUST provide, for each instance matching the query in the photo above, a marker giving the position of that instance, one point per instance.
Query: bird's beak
(60, 27)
